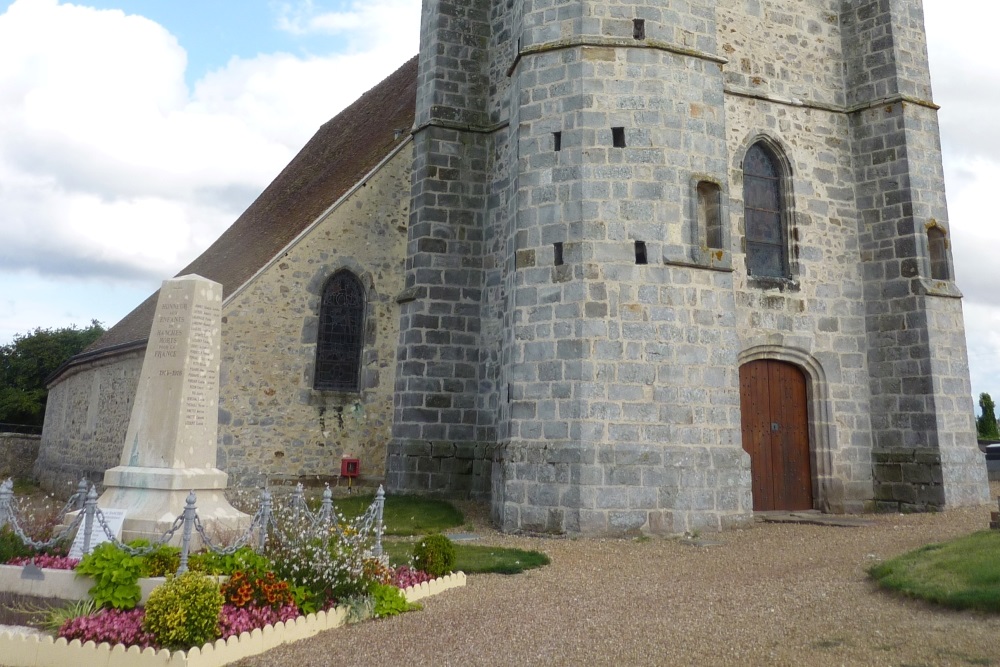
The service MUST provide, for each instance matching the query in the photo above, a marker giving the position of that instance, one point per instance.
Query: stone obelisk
(170, 446)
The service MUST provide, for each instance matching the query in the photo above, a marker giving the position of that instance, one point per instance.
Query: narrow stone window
(618, 137)
(557, 141)
(639, 28)
(640, 253)
(710, 213)
(340, 338)
(937, 245)
(764, 213)
(557, 253)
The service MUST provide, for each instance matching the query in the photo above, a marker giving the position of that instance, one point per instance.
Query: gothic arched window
(763, 201)
(341, 334)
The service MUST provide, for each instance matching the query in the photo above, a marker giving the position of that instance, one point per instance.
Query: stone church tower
(670, 262)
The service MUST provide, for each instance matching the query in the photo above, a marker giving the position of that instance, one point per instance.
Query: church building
(614, 267)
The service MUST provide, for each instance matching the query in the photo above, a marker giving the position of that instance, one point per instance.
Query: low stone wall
(18, 452)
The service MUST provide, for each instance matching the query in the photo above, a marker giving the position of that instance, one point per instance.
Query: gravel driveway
(773, 594)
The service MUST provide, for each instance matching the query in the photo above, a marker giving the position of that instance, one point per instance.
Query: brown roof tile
(339, 155)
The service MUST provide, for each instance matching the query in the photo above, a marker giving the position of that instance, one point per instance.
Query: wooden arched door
(776, 434)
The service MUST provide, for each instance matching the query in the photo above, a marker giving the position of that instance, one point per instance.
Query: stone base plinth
(155, 497)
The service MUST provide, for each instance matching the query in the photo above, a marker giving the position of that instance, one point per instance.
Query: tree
(26, 362)
(986, 423)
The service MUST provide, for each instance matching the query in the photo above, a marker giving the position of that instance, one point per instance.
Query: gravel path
(768, 595)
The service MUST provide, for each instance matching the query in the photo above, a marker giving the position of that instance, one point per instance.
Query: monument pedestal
(170, 447)
(155, 497)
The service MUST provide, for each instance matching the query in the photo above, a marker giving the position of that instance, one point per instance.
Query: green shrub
(11, 545)
(389, 601)
(243, 559)
(116, 575)
(184, 612)
(161, 561)
(435, 555)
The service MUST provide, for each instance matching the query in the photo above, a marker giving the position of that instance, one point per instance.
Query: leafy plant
(248, 588)
(405, 576)
(45, 560)
(323, 561)
(374, 571)
(184, 611)
(434, 554)
(161, 561)
(243, 559)
(114, 626)
(389, 601)
(116, 576)
(235, 620)
(56, 617)
(11, 545)
(359, 608)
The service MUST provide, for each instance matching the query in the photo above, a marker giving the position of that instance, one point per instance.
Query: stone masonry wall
(924, 446)
(86, 419)
(272, 423)
(793, 96)
(439, 425)
(18, 452)
(623, 414)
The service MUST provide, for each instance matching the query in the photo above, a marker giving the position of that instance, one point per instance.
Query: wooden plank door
(776, 434)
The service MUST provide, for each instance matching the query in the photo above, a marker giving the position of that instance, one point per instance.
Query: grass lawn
(475, 559)
(962, 574)
(406, 515)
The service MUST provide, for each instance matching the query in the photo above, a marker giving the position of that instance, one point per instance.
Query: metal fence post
(89, 512)
(80, 497)
(379, 509)
(6, 498)
(298, 499)
(326, 509)
(190, 511)
(265, 518)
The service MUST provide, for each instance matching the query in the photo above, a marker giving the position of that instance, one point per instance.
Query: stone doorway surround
(827, 491)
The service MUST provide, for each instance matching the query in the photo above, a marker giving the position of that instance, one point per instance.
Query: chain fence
(325, 520)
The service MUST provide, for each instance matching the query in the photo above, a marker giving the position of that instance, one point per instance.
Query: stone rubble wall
(18, 452)
(272, 423)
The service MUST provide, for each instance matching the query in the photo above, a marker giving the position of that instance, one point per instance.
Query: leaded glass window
(766, 245)
(341, 334)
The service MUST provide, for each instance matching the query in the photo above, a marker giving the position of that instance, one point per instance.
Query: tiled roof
(338, 156)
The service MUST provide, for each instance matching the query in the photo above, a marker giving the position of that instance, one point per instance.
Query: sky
(134, 132)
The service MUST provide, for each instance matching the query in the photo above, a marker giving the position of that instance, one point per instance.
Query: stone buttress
(923, 438)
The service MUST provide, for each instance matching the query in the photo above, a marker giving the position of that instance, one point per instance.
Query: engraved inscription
(201, 379)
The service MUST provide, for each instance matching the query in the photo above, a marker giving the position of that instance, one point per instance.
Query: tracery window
(763, 201)
(340, 339)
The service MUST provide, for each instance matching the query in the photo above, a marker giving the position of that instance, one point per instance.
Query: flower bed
(23, 650)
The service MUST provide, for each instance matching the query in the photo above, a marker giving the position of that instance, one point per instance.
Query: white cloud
(100, 138)
(966, 81)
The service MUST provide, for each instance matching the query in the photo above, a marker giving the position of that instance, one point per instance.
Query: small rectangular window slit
(618, 137)
(639, 28)
(640, 252)
(557, 141)
(557, 253)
